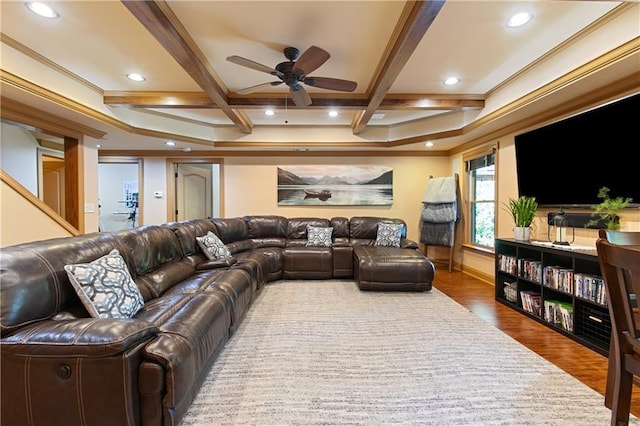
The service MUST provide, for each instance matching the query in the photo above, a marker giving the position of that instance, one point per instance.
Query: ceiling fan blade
(253, 65)
(257, 87)
(299, 95)
(331, 83)
(310, 60)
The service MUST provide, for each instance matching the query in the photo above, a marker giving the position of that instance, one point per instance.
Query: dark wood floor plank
(584, 364)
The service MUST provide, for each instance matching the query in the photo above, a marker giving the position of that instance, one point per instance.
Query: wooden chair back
(620, 267)
(623, 238)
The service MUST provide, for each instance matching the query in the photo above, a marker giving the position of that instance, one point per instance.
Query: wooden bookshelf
(561, 288)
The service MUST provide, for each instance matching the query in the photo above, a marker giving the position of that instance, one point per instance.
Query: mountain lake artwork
(354, 185)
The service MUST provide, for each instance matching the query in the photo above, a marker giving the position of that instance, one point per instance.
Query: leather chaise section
(390, 268)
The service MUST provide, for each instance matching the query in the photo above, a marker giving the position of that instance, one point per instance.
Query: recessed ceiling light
(429, 144)
(377, 116)
(42, 9)
(98, 146)
(450, 81)
(333, 113)
(269, 112)
(170, 143)
(135, 76)
(519, 19)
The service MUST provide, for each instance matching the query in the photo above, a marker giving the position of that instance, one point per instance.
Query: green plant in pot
(607, 211)
(523, 210)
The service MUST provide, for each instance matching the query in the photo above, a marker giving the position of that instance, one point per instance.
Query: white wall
(19, 156)
(154, 210)
(91, 219)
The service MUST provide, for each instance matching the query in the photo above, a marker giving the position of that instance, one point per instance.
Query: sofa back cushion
(364, 229)
(340, 227)
(156, 258)
(266, 226)
(188, 230)
(33, 282)
(230, 230)
(297, 226)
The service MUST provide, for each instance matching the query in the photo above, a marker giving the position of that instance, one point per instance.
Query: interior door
(193, 191)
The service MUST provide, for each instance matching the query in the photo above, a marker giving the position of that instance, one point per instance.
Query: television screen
(565, 164)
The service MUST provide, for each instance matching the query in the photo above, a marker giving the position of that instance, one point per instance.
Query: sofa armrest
(215, 264)
(406, 243)
(85, 337)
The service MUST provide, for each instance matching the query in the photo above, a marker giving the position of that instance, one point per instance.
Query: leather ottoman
(390, 268)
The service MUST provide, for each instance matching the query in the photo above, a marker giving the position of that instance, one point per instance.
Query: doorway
(197, 190)
(51, 182)
(118, 195)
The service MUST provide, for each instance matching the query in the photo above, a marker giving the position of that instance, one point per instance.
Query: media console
(561, 288)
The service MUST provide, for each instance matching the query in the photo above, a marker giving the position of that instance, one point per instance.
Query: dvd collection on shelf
(585, 286)
(559, 313)
(508, 264)
(590, 287)
(531, 302)
(530, 269)
(559, 278)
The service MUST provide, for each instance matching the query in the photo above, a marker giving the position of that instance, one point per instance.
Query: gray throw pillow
(389, 234)
(213, 247)
(105, 287)
(318, 236)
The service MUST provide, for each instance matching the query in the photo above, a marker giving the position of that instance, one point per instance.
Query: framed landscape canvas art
(335, 185)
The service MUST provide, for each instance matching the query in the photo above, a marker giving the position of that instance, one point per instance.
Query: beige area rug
(325, 353)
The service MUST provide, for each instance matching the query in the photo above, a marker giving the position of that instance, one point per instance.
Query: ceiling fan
(295, 71)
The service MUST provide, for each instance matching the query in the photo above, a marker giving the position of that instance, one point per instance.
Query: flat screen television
(565, 164)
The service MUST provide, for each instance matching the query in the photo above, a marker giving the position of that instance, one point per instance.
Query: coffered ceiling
(397, 52)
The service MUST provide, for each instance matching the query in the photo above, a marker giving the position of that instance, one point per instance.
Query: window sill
(489, 251)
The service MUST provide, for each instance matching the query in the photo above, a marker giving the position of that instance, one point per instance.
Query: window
(481, 193)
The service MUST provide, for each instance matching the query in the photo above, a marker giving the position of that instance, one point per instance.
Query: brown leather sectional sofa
(60, 366)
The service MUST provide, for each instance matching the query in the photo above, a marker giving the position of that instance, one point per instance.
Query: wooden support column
(74, 182)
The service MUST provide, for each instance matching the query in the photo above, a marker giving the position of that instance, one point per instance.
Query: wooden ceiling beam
(195, 100)
(414, 22)
(158, 18)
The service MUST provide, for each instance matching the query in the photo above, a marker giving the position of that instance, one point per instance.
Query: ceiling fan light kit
(294, 71)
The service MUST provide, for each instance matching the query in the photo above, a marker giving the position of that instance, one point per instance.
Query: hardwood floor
(584, 364)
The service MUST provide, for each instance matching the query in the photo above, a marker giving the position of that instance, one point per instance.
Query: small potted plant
(607, 210)
(523, 211)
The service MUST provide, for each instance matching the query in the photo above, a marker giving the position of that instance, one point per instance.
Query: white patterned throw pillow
(318, 236)
(389, 234)
(212, 247)
(105, 287)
